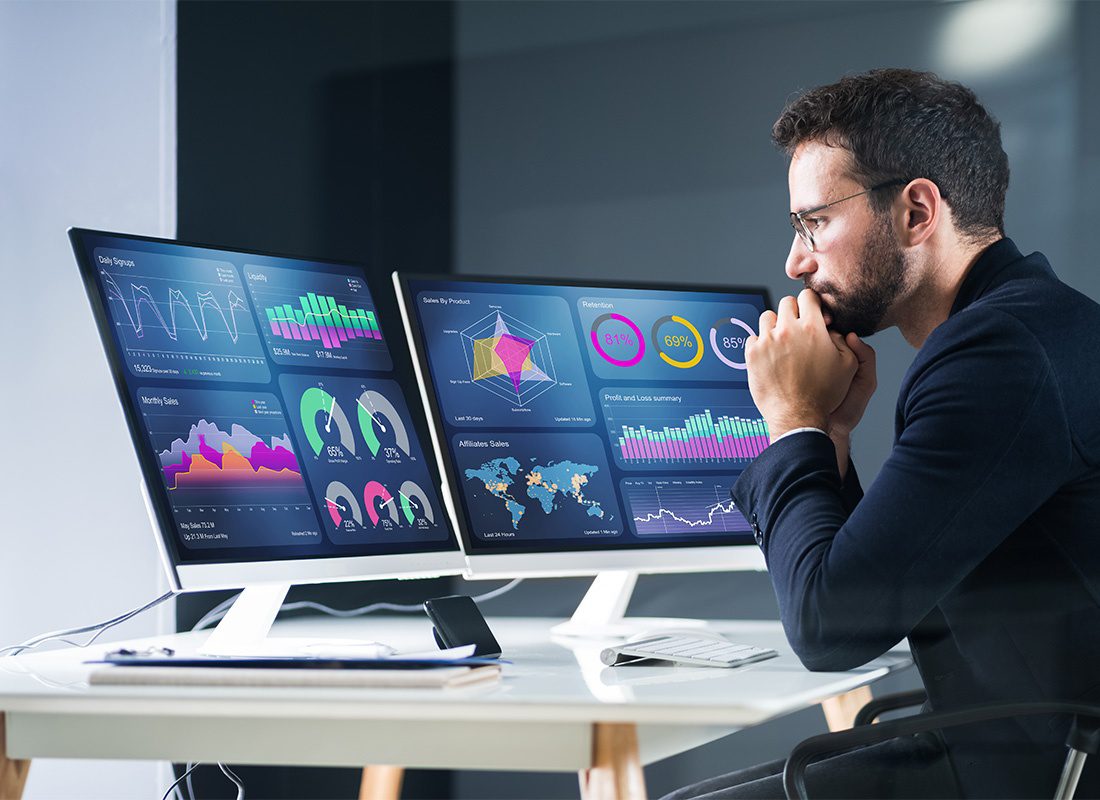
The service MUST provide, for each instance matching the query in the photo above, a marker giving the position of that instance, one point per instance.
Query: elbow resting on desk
(832, 639)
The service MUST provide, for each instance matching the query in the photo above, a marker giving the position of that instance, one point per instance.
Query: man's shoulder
(1032, 311)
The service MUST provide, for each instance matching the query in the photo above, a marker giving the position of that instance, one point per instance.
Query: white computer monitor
(268, 400)
(589, 427)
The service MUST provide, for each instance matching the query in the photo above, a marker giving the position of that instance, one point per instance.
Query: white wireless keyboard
(700, 650)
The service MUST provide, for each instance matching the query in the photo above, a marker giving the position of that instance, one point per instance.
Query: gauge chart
(678, 341)
(324, 420)
(617, 339)
(363, 459)
(342, 506)
(381, 425)
(668, 336)
(415, 505)
(727, 340)
(381, 510)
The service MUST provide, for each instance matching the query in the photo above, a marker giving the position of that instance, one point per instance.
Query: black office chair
(1083, 739)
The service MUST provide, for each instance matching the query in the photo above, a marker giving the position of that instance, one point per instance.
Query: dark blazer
(980, 538)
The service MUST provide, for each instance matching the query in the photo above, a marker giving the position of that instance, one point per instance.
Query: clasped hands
(802, 375)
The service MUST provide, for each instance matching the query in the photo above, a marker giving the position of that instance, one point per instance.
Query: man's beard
(877, 283)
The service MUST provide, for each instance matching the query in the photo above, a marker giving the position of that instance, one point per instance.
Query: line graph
(675, 506)
(182, 317)
(141, 296)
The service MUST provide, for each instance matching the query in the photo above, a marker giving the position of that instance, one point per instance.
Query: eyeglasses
(798, 218)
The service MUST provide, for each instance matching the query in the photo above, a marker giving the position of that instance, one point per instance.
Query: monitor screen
(579, 416)
(266, 402)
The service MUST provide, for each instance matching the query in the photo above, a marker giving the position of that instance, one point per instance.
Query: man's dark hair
(899, 123)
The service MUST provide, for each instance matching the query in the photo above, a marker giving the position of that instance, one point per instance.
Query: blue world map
(553, 485)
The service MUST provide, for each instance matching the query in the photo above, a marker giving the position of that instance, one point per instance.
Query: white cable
(233, 777)
(99, 628)
(190, 788)
(178, 780)
(220, 610)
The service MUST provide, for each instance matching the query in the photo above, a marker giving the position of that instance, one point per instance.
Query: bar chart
(688, 428)
(323, 319)
(317, 318)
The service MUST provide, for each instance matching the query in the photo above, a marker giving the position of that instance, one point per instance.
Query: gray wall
(630, 140)
(87, 137)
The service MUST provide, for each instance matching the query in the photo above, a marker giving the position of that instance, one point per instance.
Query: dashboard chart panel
(527, 486)
(682, 506)
(630, 338)
(363, 459)
(576, 418)
(263, 403)
(506, 361)
(682, 428)
(317, 318)
(227, 461)
(180, 317)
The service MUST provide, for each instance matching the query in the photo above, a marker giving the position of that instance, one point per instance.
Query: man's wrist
(784, 425)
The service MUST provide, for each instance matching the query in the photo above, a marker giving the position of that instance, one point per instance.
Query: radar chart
(508, 358)
(505, 361)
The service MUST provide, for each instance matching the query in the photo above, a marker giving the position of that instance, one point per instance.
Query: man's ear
(919, 209)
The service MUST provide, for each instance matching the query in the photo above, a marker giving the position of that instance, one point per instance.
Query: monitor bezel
(228, 574)
(657, 557)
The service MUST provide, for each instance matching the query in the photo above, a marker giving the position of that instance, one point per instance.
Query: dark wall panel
(321, 129)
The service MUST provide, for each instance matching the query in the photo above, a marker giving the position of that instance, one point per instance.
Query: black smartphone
(458, 622)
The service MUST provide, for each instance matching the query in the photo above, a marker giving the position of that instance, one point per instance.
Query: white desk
(557, 709)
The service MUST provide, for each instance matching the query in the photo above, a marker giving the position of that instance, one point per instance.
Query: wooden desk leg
(381, 783)
(616, 773)
(13, 771)
(840, 711)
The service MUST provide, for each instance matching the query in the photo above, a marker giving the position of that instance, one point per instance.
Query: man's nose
(800, 261)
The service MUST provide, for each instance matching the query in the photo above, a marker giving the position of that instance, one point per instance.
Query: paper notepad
(439, 677)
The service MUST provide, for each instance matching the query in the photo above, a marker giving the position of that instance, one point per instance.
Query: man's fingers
(809, 306)
(864, 352)
(838, 341)
(767, 322)
(788, 310)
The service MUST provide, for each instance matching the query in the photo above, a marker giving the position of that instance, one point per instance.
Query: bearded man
(978, 539)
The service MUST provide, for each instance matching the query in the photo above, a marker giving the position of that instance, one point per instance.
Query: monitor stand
(600, 614)
(243, 631)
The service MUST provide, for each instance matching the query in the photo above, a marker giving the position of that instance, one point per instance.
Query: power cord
(175, 784)
(186, 776)
(222, 608)
(233, 777)
(99, 628)
(219, 611)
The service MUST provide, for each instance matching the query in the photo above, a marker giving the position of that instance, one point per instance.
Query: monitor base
(601, 614)
(243, 632)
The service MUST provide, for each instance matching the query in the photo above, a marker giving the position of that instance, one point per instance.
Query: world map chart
(552, 485)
